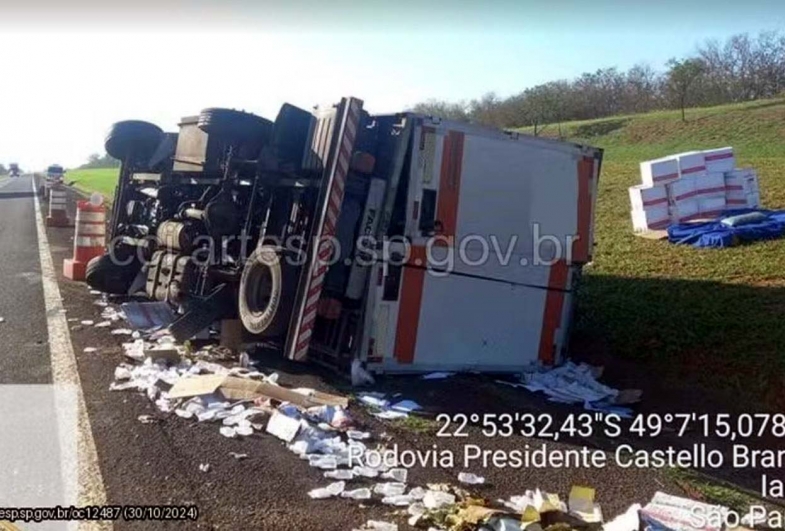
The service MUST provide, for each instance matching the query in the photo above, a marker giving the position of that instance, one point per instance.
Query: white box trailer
(484, 236)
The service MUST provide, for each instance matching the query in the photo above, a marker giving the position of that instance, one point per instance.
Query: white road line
(64, 371)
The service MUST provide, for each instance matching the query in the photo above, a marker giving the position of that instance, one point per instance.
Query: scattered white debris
(87, 322)
(330, 491)
(100, 303)
(389, 489)
(103, 324)
(359, 375)
(339, 474)
(238, 456)
(470, 479)
(406, 406)
(377, 525)
(89, 350)
(577, 384)
(122, 332)
(147, 419)
(358, 435)
(357, 494)
(396, 474)
(204, 467)
(95, 292)
(437, 375)
(435, 499)
(2, 319)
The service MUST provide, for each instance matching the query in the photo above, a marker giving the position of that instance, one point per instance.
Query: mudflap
(203, 312)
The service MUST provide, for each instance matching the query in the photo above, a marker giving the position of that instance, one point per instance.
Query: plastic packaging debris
(357, 494)
(147, 315)
(627, 521)
(283, 427)
(407, 406)
(470, 479)
(325, 462)
(122, 332)
(204, 467)
(374, 400)
(122, 373)
(359, 375)
(389, 489)
(399, 500)
(666, 512)
(103, 324)
(358, 435)
(365, 472)
(238, 456)
(417, 493)
(228, 431)
(89, 350)
(577, 384)
(87, 322)
(581, 504)
(95, 292)
(331, 490)
(147, 419)
(339, 474)
(437, 375)
(435, 499)
(397, 474)
(378, 525)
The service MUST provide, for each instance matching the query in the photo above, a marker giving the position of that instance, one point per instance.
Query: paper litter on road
(577, 384)
(89, 350)
(87, 322)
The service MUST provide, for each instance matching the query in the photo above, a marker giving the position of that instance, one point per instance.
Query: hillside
(715, 314)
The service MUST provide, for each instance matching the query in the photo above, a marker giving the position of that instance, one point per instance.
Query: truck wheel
(134, 139)
(245, 130)
(113, 276)
(266, 294)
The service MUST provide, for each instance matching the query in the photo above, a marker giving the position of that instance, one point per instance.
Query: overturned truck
(408, 242)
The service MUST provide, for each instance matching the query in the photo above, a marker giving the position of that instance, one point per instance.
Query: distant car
(54, 175)
(14, 170)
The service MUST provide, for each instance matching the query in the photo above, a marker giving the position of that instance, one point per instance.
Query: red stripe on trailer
(655, 201)
(349, 119)
(554, 304)
(450, 182)
(409, 307)
(719, 156)
(581, 247)
(694, 169)
(665, 177)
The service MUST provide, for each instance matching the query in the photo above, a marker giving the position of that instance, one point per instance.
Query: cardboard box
(712, 185)
(643, 196)
(753, 200)
(719, 160)
(711, 207)
(741, 181)
(691, 163)
(681, 189)
(659, 171)
(651, 218)
(686, 210)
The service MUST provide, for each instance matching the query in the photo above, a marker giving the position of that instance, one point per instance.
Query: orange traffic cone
(89, 238)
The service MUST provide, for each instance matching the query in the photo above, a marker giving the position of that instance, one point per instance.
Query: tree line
(741, 68)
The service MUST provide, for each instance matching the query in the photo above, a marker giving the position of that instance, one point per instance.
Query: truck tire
(242, 129)
(133, 139)
(107, 275)
(266, 294)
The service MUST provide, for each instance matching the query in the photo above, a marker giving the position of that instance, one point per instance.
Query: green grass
(715, 314)
(101, 180)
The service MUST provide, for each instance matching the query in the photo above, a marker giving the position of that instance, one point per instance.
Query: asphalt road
(158, 463)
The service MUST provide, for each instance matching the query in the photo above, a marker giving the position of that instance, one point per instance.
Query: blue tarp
(716, 234)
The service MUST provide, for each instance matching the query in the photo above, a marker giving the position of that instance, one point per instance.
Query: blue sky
(91, 63)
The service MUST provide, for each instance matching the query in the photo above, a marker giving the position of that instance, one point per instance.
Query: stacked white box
(742, 189)
(659, 171)
(719, 160)
(642, 196)
(691, 163)
(653, 218)
(711, 207)
(695, 185)
(686, 210)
